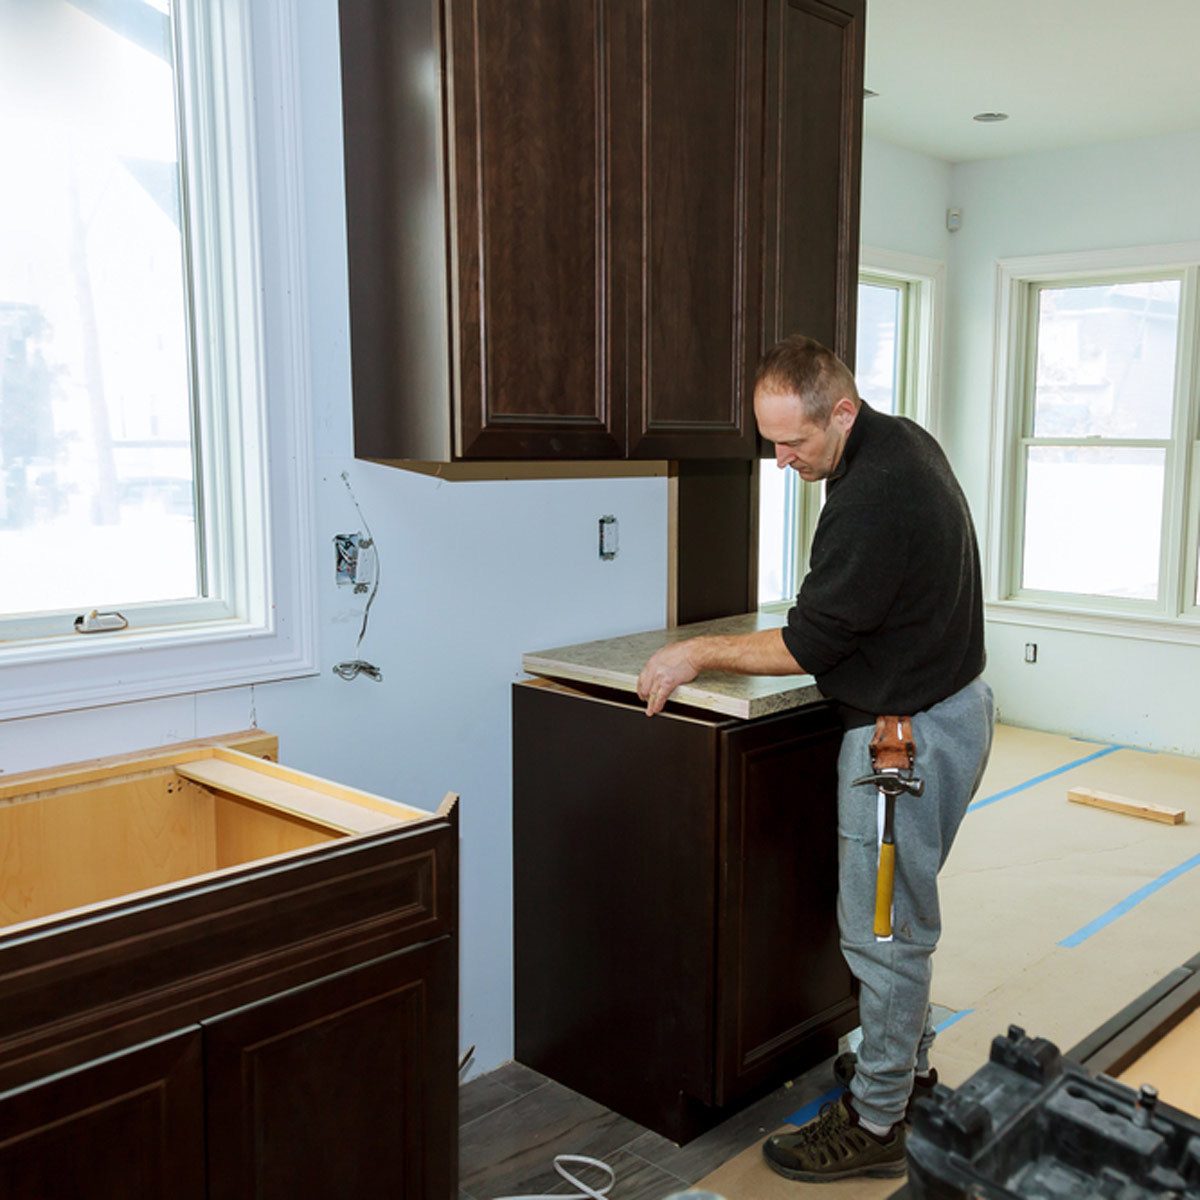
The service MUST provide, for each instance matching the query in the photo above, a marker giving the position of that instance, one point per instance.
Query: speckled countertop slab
(617, 663)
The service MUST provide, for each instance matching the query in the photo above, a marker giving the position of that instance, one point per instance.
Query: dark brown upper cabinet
(564, 224)
(814, 82)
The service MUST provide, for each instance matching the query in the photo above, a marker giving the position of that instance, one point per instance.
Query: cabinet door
(783, 989)
(814, 81)
(343, 1087)
(689, 162)
(529, 125)
(613, 878)
(127, 1125)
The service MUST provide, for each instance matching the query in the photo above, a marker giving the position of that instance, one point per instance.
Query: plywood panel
(295, 799)
(27, 783)
(94, 843)
(246, 831)
(327, 787)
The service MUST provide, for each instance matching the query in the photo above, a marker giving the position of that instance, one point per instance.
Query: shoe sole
(883, 1171)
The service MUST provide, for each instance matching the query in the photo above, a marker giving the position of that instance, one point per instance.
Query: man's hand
(759, 653)
(664, 672)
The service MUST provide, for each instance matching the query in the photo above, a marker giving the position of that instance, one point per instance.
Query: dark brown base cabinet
(281, 1028)
(675, 881)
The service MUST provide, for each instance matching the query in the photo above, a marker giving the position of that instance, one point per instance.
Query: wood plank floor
(513, 1122)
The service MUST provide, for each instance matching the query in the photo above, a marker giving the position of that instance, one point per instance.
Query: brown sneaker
(835, 1146)
(923, 1085)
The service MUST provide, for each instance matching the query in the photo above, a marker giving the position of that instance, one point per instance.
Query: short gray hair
(802, 367)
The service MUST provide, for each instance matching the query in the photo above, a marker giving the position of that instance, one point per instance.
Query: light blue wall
(472, 575)
(904, 199)
(1104, 196)
(1117, 194)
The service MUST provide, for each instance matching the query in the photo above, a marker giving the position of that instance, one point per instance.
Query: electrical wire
(352, 668)
(585, 1192)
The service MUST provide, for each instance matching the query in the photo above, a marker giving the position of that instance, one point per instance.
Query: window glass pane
(1093, 520)
(878, 353)
(776, 532)
(96, 456)
(1106, 360)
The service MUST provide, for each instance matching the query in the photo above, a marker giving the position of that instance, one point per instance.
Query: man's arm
(761, 653)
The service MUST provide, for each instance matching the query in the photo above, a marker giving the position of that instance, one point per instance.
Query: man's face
(812, 451)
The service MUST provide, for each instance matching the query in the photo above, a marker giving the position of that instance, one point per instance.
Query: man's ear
(844, 412)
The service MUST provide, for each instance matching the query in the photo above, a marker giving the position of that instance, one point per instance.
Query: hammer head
(892, 784)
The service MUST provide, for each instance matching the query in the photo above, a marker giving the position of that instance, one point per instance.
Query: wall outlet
(609, 544)
(1031, 652)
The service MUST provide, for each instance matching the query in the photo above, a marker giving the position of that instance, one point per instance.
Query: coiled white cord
(561, 1162)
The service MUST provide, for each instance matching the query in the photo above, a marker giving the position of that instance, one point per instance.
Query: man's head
(805, 401)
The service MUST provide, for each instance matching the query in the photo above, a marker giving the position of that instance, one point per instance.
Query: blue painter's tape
(1012, 791)
(803, 1115)
(952, 1019)
(1130, 901)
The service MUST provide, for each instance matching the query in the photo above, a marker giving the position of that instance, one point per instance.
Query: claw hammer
(893, 752)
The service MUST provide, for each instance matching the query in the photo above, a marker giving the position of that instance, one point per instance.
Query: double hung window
(1097, 510)
(135, 501)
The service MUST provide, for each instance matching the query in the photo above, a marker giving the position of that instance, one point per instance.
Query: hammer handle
(884, 880)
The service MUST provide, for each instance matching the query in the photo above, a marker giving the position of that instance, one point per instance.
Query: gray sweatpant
(953, 741)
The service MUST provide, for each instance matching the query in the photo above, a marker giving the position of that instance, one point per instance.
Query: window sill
(1180, 630)
(42, 677)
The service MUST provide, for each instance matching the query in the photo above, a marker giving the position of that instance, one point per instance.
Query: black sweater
(889, 618)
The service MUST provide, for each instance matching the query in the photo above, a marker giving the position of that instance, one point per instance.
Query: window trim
(260, 257)
(922, 357)
(1175, 616)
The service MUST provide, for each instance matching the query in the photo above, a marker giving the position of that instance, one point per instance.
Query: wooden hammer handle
(884, 882)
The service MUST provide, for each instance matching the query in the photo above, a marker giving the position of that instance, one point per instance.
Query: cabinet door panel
(784, 991)
(129, 1125)
(691, 317)
(529, 126)
(613, 819)
(814, 139)
(344, 1087)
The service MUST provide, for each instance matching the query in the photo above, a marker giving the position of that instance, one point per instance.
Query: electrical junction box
(354, 563)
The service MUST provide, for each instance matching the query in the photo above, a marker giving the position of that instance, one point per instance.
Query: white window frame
(919, 377)
(1175, 617)
(238, 62)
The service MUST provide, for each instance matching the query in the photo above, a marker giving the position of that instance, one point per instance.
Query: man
(889, 620)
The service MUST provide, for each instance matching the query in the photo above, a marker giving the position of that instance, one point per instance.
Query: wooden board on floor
(1122, 804)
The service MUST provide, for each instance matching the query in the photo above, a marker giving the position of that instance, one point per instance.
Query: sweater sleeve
(858, 563)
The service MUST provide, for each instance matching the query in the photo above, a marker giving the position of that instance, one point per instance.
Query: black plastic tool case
(1033, 1124)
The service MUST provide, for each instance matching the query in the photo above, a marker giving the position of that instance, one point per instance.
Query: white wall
(472, 575)
(1095, 197)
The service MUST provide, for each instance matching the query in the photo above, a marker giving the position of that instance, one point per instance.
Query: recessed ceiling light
(867, 93)
(988, 118)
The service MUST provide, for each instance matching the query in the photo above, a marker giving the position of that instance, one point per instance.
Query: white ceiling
(1068, 72)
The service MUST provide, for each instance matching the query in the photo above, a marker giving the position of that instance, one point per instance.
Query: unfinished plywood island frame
(222, 977)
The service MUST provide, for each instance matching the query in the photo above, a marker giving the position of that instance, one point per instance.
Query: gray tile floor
(513, 1122)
